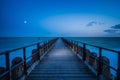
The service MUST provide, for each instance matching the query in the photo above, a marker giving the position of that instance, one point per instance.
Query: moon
(25, 22)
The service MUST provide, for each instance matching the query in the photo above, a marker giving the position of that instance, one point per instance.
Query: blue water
(16, 42)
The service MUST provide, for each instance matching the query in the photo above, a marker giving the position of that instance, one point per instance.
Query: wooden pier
(61, 64)
(59, 59)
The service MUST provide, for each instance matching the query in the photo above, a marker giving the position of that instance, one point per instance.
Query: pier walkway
(61, 63)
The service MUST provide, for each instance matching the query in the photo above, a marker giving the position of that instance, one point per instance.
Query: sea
(8, 43)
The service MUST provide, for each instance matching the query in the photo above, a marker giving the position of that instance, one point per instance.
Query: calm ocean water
(16, 42)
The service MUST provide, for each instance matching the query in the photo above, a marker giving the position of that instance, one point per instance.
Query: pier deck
(61, 64)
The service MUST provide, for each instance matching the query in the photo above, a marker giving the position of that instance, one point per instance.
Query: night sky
(71, 18)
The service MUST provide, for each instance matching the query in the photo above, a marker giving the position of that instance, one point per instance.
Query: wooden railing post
(24, 57)
(77, 46)
(38, 50)
(84, 52)
(69, 42)
(99, 62)
(47, 45)
(44, 47)
(118, 70)
(7, 55)
(73, 45)
(75, 49)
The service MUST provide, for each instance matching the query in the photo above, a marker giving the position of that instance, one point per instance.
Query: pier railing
(99, 63)
(20, 66)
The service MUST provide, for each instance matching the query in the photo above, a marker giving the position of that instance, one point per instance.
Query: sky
(59, 18)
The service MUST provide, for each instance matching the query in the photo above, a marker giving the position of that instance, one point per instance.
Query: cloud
(110, 31)
(114, 29)
(94, 23)
(116, 26)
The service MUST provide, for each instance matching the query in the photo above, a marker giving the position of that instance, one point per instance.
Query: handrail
(8, 71)
(12, 50)
(72, 43)
(97, 46)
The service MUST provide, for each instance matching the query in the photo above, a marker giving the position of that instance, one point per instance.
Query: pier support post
(47, 45)
(70, 44)
(99, 63)
(38, 51)
(118, 70)
(73, 45)
(24, 57)
(77, 46)
(8, 64)
(44, 47)
(84, 52)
